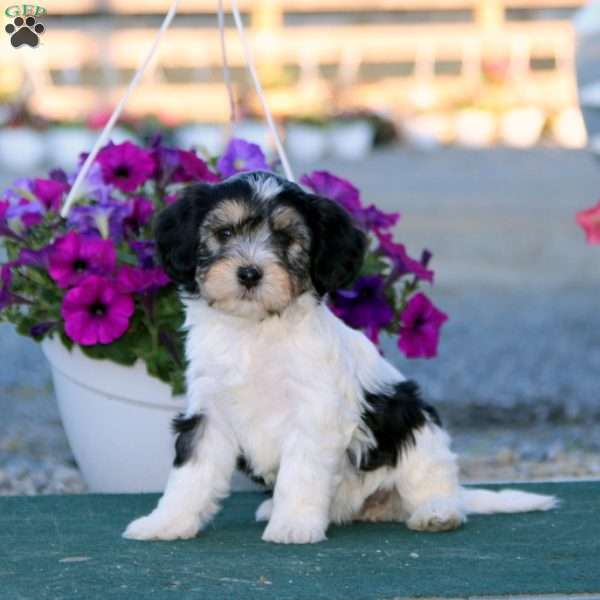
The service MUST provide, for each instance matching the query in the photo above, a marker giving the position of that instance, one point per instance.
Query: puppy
(274, 377)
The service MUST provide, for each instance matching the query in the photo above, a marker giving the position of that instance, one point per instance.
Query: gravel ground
(517, 376)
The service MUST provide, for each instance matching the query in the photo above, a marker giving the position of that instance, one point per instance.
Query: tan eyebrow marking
(230, 212)
(284, 217)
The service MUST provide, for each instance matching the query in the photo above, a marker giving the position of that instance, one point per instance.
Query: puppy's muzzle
(249, 276)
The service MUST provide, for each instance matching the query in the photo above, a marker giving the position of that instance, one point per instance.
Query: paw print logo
(25, 31)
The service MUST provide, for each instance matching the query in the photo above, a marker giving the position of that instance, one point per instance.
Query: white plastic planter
(117, 420)
(522, 127)
(22, 150)
(306, 143)
(568, 129)
(428, 131)
(475, 128)
(352, 140)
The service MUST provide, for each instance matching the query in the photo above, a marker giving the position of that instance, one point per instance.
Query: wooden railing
(411, 55)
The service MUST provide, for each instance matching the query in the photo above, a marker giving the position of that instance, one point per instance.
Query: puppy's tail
(476, 501)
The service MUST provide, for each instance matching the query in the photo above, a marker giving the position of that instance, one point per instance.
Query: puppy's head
(253, 243)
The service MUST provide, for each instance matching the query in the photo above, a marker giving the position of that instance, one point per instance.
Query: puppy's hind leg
(200, 477)
(427, 481)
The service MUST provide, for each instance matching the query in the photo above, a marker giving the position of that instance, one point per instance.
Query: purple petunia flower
(343, 192)
(176, 166)
(96, 311)
(133, 280)
(50, 192)
(364, 306)
(241, 155)
(145, 251)
(4, 228)
(41, 329)
(20, 188)
(35, 258)
(104, 218)
(59, 175)
(6, 295)
(334, 188)
(420, 329)
(126, 166)
(73, 257)
(378, 220)
(140, 212)
(401, 261)
(24, 214)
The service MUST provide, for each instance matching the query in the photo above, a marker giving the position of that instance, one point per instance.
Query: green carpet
(69, 547)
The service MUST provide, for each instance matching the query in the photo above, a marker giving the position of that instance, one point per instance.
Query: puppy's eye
(224, 233)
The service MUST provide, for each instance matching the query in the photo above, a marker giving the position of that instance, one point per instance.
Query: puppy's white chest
(262, 406)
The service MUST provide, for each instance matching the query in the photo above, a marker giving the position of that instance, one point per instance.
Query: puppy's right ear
(177, 230)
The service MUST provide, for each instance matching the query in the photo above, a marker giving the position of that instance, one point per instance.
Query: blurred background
(464, 115)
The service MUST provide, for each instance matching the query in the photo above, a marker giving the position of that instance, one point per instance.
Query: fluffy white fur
(287, 391)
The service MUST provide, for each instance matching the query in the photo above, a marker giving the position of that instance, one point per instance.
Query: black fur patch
(393, 420)
(186, 429)
(244, 466)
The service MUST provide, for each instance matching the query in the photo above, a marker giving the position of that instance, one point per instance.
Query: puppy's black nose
(249, 276)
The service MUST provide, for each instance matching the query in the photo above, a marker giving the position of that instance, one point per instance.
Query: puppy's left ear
(338, 246)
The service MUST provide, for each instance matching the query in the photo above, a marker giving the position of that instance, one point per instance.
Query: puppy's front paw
(294, 531)
(439, 514)
(264, 511)
(156, 526)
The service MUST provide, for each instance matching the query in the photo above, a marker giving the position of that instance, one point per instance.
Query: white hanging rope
(226, 72)
(259, 91)
(103, 137)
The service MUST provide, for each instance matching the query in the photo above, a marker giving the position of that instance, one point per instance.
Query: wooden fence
(315, 55)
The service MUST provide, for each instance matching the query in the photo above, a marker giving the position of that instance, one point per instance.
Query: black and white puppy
(275, 377)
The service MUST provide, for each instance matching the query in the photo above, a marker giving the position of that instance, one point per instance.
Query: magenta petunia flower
(74, 257)
(420, 327)
(176, 166)
(96, 311)
(192, 168)
(401, 261)
(134, 280)
(241, 155)
(364, 306)
(334, 188)
(51, 192)
(126, 166)
(140, 213)
(589, 221)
